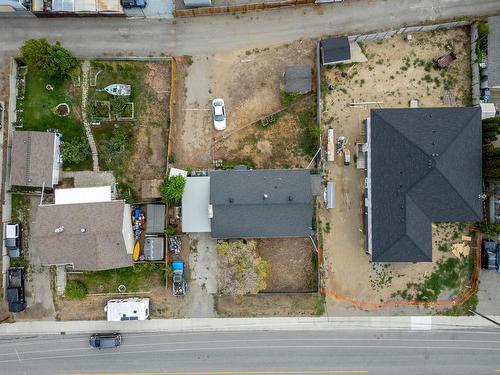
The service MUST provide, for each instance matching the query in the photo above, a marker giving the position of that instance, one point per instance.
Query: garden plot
(396, 72)
(133, 132)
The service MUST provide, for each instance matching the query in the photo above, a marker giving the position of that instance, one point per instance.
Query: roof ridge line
(404, 136)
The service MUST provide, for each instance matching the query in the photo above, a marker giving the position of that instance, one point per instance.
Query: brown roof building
(87, 236)
(35, 159)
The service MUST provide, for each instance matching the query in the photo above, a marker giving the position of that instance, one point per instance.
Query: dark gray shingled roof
(241, 211)
(494, 51)
(335, 50)
(298, 79)
(425, 167)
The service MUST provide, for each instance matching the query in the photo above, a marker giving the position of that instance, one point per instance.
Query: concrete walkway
(88, 130)
(413, 323)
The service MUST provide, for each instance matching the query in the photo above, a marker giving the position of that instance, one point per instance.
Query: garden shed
(298, 79)
(155, 218)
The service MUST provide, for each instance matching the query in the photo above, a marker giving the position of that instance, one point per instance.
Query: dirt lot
(293, 268)
(395, 73)
(145, 147)
(249, 82)
(263, 305)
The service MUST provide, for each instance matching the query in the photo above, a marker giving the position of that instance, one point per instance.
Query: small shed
(155, 218)
(154, 248)
(298, 79)
(335, 50)
(488, 110)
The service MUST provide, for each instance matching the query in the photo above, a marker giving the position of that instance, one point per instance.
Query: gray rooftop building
(424, 166)
(335, 50)
(261, 203)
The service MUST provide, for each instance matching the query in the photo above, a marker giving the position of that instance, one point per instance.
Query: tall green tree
(172, 189)
(75, 150)
(47, 59)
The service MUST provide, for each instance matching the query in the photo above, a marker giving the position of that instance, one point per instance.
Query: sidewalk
(252, 324)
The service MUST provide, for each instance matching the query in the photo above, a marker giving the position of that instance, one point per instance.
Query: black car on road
(105, 340)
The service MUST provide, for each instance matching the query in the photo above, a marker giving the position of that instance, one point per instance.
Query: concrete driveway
(489, 292)
(154, 9)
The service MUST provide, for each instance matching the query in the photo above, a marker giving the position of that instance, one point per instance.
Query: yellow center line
(317, 372)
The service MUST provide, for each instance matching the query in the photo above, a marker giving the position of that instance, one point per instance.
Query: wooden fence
(243, 8)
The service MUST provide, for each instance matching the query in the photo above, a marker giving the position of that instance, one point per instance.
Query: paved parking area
(489, 292)
(154, 9)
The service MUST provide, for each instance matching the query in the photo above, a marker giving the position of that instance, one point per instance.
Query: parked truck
(178, 278)
(15, 290)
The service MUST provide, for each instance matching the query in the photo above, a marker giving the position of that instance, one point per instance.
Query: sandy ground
(269, 305)
(392, 75)
(291, 265)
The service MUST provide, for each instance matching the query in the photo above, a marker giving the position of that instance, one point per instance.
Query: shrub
(309, 143)
(491, 229)
(75, 150)
(44, 58)
(172, 189)
(241, 270)
(288, 98)
(75, 290)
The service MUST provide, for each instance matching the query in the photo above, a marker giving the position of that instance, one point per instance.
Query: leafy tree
(75, 290)
(172, 189)
(44, 58)
(115, 149)
(240, 270)
(491, 229)
(75, 150)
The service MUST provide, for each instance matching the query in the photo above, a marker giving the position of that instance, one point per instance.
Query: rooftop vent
(59, 229)
(231, 200)
(290, 198)
(83, 230)
(266, 196)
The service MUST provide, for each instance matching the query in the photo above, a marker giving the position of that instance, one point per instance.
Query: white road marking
(264, 347)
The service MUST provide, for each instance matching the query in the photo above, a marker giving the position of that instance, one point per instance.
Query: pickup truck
(15, 290)
(178, 278)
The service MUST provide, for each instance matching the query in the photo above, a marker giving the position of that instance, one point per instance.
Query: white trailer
(127, 309)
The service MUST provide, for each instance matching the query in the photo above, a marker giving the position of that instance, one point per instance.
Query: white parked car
(219, 114)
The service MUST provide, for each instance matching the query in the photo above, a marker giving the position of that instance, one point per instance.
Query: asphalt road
(204, 35)
(276, 352)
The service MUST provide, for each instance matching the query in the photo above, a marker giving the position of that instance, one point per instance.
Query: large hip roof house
(423, 166)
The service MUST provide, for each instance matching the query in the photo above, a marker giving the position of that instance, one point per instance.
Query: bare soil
(395, 73)
(250, 82)
(266, 305)
(149, 160)
(291, 264)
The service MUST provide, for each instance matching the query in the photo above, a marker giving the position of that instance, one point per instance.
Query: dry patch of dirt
(292, 266)
(263, 305)
(395, 73)
(149, 159)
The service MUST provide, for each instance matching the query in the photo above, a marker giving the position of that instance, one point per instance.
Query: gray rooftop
(155, 218)
(261, 203)
(57, 236)
(425, 167)
(494, 51)
(335, 50)
(298, 79)
(32, 158)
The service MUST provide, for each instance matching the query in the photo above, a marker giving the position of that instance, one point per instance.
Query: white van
(127, 309)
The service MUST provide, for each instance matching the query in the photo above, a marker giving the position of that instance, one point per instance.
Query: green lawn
(39, 102)
(138, 278)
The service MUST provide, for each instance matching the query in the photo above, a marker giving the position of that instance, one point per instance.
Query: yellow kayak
(137, 250)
